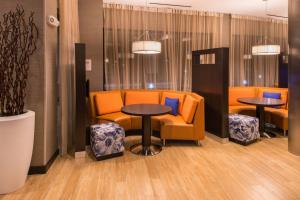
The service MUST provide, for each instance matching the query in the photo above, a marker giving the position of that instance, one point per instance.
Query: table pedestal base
(151, 150)
(260, 114)
(146, 148)
(264, 134)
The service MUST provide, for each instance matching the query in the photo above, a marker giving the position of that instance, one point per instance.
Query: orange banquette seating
(187, 125)
(276, 116)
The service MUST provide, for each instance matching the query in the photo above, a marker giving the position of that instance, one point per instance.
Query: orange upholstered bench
(276, 116)
(187, 125)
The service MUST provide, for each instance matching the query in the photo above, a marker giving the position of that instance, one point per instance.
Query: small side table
(146, 148)
(260, 104)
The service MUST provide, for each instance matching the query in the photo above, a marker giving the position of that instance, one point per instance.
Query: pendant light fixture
(144, 45)
(266, 47)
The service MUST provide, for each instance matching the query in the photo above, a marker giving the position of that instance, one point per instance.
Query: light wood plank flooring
(265, 170)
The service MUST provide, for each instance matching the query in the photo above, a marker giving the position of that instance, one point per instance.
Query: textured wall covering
(41, 91)
(91, 33)
(50, 81)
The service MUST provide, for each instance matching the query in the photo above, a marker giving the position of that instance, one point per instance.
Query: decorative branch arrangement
(18, 38)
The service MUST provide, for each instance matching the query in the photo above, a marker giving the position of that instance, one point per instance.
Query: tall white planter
(16, 144)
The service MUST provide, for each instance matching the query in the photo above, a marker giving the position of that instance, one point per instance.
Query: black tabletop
(146, 109)
(258, 101)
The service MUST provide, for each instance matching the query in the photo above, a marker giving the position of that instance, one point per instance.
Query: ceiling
(244, 7)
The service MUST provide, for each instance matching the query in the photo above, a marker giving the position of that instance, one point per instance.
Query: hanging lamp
(144, 45)
(266, 47)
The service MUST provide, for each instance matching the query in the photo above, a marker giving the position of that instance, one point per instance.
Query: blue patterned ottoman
(107, 140)
(243, 129)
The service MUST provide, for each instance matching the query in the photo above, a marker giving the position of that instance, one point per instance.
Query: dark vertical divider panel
(211, 82)
(79, 134)
(294, 76)
(283, 71)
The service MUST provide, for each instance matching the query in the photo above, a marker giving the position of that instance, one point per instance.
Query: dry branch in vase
(18, 38)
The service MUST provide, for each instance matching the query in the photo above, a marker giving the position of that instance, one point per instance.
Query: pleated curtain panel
(249, 70)
(179, 31)
(69, 35)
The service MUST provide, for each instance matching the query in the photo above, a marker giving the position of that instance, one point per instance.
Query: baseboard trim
(80, 154)
(43, 168)
(216, 138)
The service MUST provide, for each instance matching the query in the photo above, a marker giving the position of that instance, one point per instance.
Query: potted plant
(18, 37)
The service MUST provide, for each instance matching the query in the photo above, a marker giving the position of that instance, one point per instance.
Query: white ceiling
(244, 7)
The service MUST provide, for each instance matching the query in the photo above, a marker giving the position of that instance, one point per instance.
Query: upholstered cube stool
(107, 140)
(243, 129)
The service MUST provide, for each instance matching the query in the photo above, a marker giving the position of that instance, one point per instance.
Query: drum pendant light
(144, 45)
(266, 47)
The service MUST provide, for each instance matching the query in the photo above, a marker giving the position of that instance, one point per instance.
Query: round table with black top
(146, 148)
(260, 104)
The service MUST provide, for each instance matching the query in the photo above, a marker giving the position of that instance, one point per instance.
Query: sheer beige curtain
(180, 32)
(255, 70)
(69, 35)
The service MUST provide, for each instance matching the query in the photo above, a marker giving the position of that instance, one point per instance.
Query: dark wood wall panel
(79, 135)
(283, 77)
(212, 81)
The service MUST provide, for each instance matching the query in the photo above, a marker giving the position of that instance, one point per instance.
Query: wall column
(294, 77)
(91, 33)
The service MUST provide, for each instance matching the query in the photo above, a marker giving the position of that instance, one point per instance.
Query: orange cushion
(141, 97)
(171, 119)
(283, 91)
(108, 102)
(240, 92)
(119, 118)
(173, 95)
(189, 109)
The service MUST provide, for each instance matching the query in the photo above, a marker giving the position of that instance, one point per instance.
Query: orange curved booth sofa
(187, 125)
(276, 116)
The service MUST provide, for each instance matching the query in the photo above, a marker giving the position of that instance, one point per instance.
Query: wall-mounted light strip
(271, 15)
(173, 5)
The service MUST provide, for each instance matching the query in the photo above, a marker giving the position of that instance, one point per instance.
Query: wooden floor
(264, 170)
